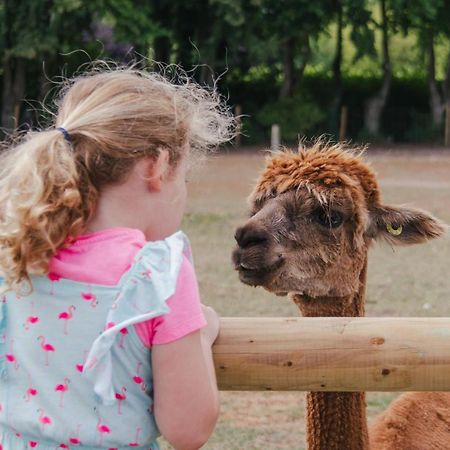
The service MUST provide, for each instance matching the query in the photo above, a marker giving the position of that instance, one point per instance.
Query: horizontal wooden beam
(333, 354)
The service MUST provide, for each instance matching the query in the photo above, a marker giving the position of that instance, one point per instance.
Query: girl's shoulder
(159, 261)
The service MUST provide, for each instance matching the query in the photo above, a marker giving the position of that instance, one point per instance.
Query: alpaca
(314, 214)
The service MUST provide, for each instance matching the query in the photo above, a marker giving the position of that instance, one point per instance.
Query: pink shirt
(104, 256)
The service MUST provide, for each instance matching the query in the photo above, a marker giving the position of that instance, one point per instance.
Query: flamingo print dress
(73, 372)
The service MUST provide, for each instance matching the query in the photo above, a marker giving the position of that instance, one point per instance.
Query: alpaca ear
(403, 226)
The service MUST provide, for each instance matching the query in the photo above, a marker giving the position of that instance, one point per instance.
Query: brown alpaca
(314, 214)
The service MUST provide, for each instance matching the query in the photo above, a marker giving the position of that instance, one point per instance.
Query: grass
(410, 281)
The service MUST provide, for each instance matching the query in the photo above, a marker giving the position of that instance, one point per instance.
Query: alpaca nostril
(247, 236)
(238, 234)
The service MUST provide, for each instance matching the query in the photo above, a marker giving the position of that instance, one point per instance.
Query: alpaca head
(314, 213)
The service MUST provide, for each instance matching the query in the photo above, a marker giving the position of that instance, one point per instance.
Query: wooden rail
(333, 354)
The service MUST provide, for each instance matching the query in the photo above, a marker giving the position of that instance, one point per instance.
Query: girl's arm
(186, 400)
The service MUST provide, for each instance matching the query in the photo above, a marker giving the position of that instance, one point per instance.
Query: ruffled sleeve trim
(143, 292)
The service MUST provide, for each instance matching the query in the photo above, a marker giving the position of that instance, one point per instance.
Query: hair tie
(66, 134)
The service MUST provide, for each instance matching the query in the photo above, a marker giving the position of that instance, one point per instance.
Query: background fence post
(238, 113)
(275, 137)
(343, 123)
(447, 125)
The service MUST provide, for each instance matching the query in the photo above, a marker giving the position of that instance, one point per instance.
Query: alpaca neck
(336, 420)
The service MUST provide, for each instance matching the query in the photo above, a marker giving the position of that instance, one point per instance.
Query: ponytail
(41, 204)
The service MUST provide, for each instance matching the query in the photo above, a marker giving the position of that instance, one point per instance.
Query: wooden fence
(333, 354)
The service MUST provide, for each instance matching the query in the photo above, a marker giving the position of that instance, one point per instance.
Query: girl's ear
(403, 226)
(156, 170)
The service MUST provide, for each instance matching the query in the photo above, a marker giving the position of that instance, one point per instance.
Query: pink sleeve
(185, 314)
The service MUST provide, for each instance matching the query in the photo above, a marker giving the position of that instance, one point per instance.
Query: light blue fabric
(74, 373)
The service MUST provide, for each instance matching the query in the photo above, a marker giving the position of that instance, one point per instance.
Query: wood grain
(333, 354)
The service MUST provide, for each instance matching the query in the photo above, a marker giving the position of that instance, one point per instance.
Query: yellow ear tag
(394, 231)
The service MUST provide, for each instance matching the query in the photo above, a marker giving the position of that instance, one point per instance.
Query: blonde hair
(49, 185)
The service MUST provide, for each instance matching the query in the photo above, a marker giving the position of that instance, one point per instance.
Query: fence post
(275, 137)
(343, 123)
(447, 125)
(238, 113)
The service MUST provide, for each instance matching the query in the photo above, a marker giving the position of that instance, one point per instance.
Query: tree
(429, 20)
(354, 14)
(375, 104)
(34, 31)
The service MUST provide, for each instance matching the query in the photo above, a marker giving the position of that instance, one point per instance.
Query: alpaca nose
(248, 236)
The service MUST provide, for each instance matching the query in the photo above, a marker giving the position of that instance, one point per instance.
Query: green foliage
(37, 27)
(358, 17)
(133, 22)
(297, 116)
(257, 46)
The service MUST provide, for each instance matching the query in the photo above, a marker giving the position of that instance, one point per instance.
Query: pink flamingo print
(62, 389)
(10, 356)
(123, 332)
(52, 276)
(66, 316)
(80, 366)
(75, 439)
(102, 429)
(31, 319)
(136, 440)
(137, 378)
(89, 298)
(46, 347)
(31, 391)
(43, 419)
(121, 396)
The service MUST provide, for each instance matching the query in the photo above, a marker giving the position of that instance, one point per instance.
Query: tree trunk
(207, 74)
(446, 85)
(376, 104)
(287, 87)
(435, 100)
(305, 53)
(337, 74)
(162, 49)
(162, 44)
(14, 81)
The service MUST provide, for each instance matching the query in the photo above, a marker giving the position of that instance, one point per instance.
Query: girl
(102, 336)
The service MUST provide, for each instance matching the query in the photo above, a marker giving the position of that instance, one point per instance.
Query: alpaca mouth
(258, 276)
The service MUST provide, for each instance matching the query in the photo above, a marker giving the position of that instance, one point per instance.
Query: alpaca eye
(329, 219)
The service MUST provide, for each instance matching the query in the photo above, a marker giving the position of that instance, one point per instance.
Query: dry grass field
(411, 281)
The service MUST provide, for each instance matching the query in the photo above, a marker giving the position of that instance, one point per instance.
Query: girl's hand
(211, 331)
(186, 399)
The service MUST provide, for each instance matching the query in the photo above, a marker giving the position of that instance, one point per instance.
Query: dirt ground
(411, 281)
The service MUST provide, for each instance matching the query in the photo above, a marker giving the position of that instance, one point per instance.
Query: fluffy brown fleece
(319, 167)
